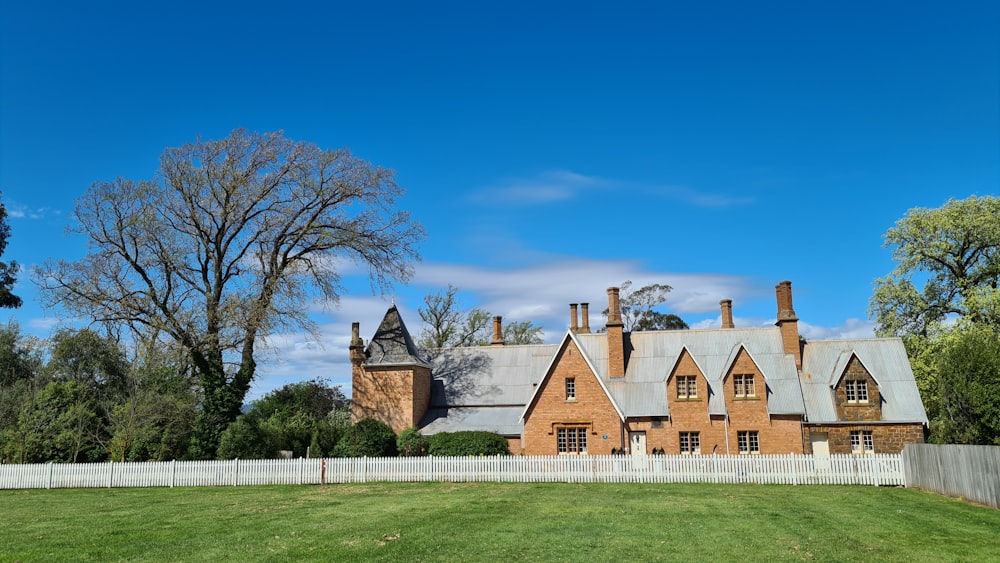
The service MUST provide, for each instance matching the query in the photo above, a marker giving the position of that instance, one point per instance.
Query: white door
(637, 443)
(821, 449)
(820, 443)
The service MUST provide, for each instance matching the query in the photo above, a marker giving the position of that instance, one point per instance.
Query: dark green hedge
(411, 443)
(367, 438)
(468, 443)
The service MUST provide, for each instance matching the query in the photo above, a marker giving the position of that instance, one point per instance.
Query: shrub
(412, 443)
(368, 437)
(468, 443)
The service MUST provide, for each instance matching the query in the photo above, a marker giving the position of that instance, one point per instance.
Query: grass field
(493, 522)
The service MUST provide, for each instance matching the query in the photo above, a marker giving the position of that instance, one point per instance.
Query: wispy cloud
(24, 212)
(547, 187)
(563, 185)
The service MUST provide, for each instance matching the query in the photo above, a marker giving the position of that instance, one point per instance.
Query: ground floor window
(862, 442)
(748, 441)
(690, 443)
(571, 440)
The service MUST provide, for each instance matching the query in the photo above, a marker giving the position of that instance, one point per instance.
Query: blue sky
(550, 149)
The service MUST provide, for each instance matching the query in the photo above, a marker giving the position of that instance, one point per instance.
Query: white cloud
(562, 185)
(547, 187)
(851, 328)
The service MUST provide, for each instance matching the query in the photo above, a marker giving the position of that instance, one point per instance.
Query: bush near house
(411, 443)
(468, 443)
(367, 438)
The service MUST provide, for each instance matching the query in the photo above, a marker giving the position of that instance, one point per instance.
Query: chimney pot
(585, 314)
(572, 318)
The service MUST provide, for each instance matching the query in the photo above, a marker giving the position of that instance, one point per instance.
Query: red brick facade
(590, 408)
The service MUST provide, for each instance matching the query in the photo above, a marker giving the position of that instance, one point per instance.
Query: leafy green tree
(947, 266)
(8, 270)
(638, 308)
(304, 417)
(224, 246)
(57, 424)
(968, 368)
(153, 419)
(447, 325)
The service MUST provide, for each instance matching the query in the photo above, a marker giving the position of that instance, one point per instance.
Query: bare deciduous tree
(225, 246)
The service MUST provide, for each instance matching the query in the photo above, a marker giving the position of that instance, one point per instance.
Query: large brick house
(727, 390)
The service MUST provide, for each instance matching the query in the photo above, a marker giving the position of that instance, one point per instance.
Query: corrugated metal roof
(502, 420)
(824, 360)
(487, 375)
(653, 354)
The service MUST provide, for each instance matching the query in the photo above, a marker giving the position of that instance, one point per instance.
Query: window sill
(746, 398)
(688, 399)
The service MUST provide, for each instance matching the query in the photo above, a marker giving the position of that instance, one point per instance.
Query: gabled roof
(392, 344)
(823, 363)
(572, 337)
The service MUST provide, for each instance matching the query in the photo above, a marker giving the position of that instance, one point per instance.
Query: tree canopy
(224, 246)
(947, 266)
(638, 308)
(447, 325)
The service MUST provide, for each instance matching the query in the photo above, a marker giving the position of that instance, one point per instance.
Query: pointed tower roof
(392, 343)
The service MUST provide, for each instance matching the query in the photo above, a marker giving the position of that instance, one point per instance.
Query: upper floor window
(570, 388)
(748, 441)
(862, 441)
(743, 385)
(857, 391)
(687, 387)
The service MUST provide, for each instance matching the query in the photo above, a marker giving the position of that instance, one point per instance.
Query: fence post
(173, 472)
(111, 474)
(50, 476)
(236, 471)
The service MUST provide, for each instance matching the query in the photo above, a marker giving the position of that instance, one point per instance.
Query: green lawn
(493, 522)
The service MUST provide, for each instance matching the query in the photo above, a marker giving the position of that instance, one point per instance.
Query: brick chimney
(585, 317)
(616, 335)
(727, 313)
(573, 327)
(357, 348)
(497, 331)
(788, 322)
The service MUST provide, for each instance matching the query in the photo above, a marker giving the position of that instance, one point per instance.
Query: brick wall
(870, 410)
(397, 396)
(778, 434)
(592, 408)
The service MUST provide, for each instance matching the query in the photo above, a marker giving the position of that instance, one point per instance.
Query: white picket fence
(882, 469)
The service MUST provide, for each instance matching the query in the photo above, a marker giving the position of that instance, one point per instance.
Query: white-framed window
(857, 391)
(571, 440)
(570, 388)
(743, 385)
(687, 387)
(690, 443)
(748, 442)
(862, 442)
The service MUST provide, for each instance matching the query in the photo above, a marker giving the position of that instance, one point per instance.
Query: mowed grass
(496, 522)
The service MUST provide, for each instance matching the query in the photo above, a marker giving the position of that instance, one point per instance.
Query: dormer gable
(686, 380)
(743, 379)
(856, 392)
